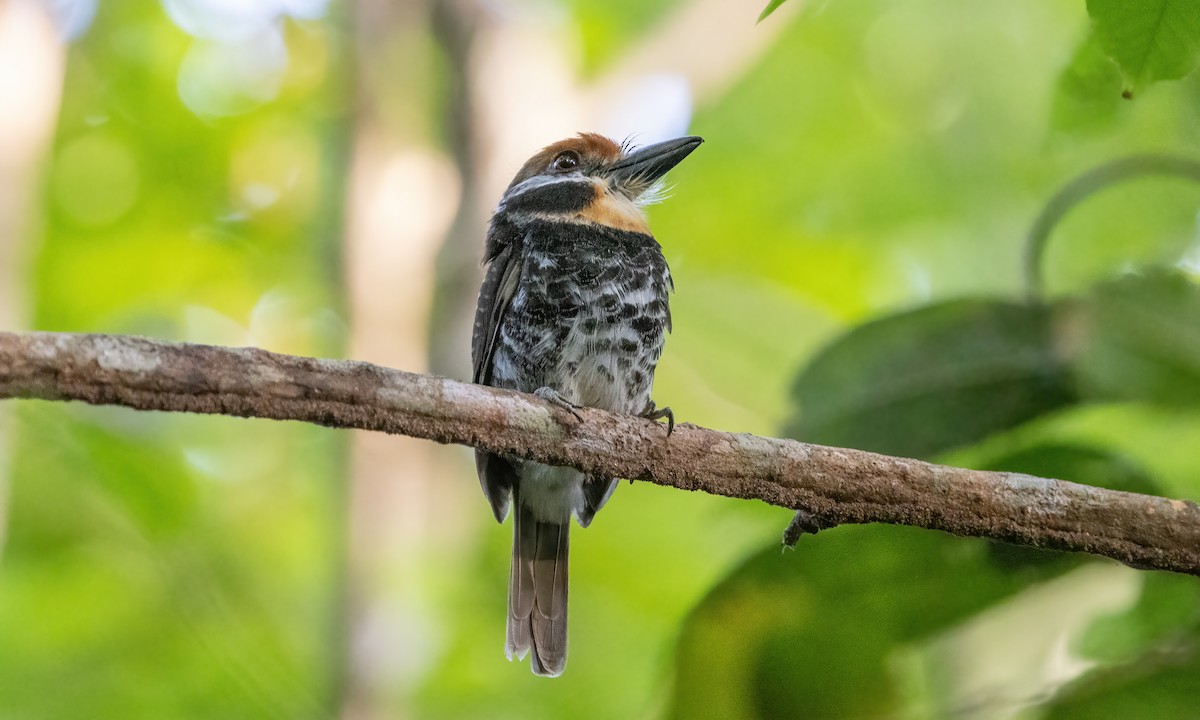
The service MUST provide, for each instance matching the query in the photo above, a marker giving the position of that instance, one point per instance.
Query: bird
(573, 308)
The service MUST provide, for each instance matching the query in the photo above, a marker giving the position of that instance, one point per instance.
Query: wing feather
(499, 287)
(496, 475)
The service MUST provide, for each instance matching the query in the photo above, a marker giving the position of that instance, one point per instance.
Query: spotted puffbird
(574, 308)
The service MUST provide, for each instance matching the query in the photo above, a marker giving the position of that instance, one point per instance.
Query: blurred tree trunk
(401, 195)
(32, 61)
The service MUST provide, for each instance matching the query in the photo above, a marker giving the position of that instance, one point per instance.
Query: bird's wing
(496, 474)
(596, 491)
(499, 286)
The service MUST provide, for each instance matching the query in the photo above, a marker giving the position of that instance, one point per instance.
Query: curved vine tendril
(1082, 188)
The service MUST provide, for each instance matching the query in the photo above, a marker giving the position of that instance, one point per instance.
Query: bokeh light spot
(220, 79)
(73, 17)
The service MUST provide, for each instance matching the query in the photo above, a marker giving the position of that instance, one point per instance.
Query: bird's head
(592, 179)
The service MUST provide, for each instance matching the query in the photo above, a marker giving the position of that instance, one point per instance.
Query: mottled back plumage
(575, 306)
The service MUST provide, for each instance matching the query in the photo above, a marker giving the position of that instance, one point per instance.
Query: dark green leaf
(1150, 39)
(1167, 692)
(1140, 339)
(810, 634)
(931, 379)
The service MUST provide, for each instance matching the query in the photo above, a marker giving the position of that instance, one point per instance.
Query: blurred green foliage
(856, 623)
(1088, 96)
(847, 249)
(1138, 340)
(606, 29)
(168, 566)
(1150, 40)
(841, 608)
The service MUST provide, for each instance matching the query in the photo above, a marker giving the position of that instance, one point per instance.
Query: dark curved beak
(645, 165)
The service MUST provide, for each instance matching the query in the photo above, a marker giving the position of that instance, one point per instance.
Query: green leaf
(1140, 339)
(813, 634)
(931, 379)
(1150, 39)
(1088, 90)
(770, 8)
(1165, 692)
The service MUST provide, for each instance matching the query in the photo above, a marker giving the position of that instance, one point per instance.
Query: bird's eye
(565, 161)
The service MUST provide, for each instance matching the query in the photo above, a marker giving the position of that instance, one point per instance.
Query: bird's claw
(656, 414)
(553, 397)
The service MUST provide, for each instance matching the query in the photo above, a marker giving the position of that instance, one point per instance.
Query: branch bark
(834, 484)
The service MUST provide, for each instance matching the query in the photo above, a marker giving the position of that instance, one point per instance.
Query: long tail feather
(537, 592)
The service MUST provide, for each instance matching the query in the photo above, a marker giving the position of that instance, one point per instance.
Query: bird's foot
(552, 396)
(804, 523)
(653, 413)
